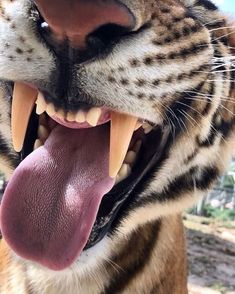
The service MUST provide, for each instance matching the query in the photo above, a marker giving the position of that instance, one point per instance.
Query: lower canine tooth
(93, 116)
(38, 143)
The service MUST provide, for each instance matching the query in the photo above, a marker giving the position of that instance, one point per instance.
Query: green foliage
(228, 182)
(222, 215)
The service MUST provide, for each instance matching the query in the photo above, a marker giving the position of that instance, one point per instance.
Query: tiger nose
(74, 20)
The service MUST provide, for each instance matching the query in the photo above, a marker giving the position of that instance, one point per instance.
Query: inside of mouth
(125, 142)
(44, 125)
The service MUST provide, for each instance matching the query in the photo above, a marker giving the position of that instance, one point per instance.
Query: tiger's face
(129, 113)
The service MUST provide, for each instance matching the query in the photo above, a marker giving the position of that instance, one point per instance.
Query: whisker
(221, 28)
(225, 35)
(215, 21)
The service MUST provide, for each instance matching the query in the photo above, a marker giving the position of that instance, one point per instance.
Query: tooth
(147, 128)
(130, 157)
(50, 109)
(93, 116)
(137, 146)
(138, 125)
(70, 116)
(23, 101)
(38, 143)
(122, 129)
(60, 114)
(41, 104)
(124, 172)
(80, 117)
(43, 133)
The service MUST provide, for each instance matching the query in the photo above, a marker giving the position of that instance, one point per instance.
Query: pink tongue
(52, 200)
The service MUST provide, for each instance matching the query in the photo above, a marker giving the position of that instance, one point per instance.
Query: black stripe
(162, 58)
(226, 128)
(6, 153)
(178, 35)
(182, 76)
(216, 25)
(210, 94)
(140, 247)
(191, 156)
(186, 183)
(207, 4)
(209, 141)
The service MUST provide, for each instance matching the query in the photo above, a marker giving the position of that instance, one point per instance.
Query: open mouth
(78, 175)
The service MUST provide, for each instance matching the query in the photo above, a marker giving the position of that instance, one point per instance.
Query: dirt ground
(211, 256)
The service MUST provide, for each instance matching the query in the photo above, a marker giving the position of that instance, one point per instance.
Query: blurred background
(210, 228)
(226, 5)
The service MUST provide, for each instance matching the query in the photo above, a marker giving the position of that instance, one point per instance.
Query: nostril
(100, 42)
(76, 20)
(108, 33)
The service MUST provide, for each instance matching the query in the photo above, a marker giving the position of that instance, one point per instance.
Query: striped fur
(178, 71)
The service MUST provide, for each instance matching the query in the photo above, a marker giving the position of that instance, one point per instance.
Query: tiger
(115, 117)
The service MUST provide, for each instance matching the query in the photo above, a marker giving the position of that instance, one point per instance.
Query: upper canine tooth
(80, 116)
(41, 104)
(122, 129)
(138, 125)
(50, 109)
(23, 102)
(93, 116)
